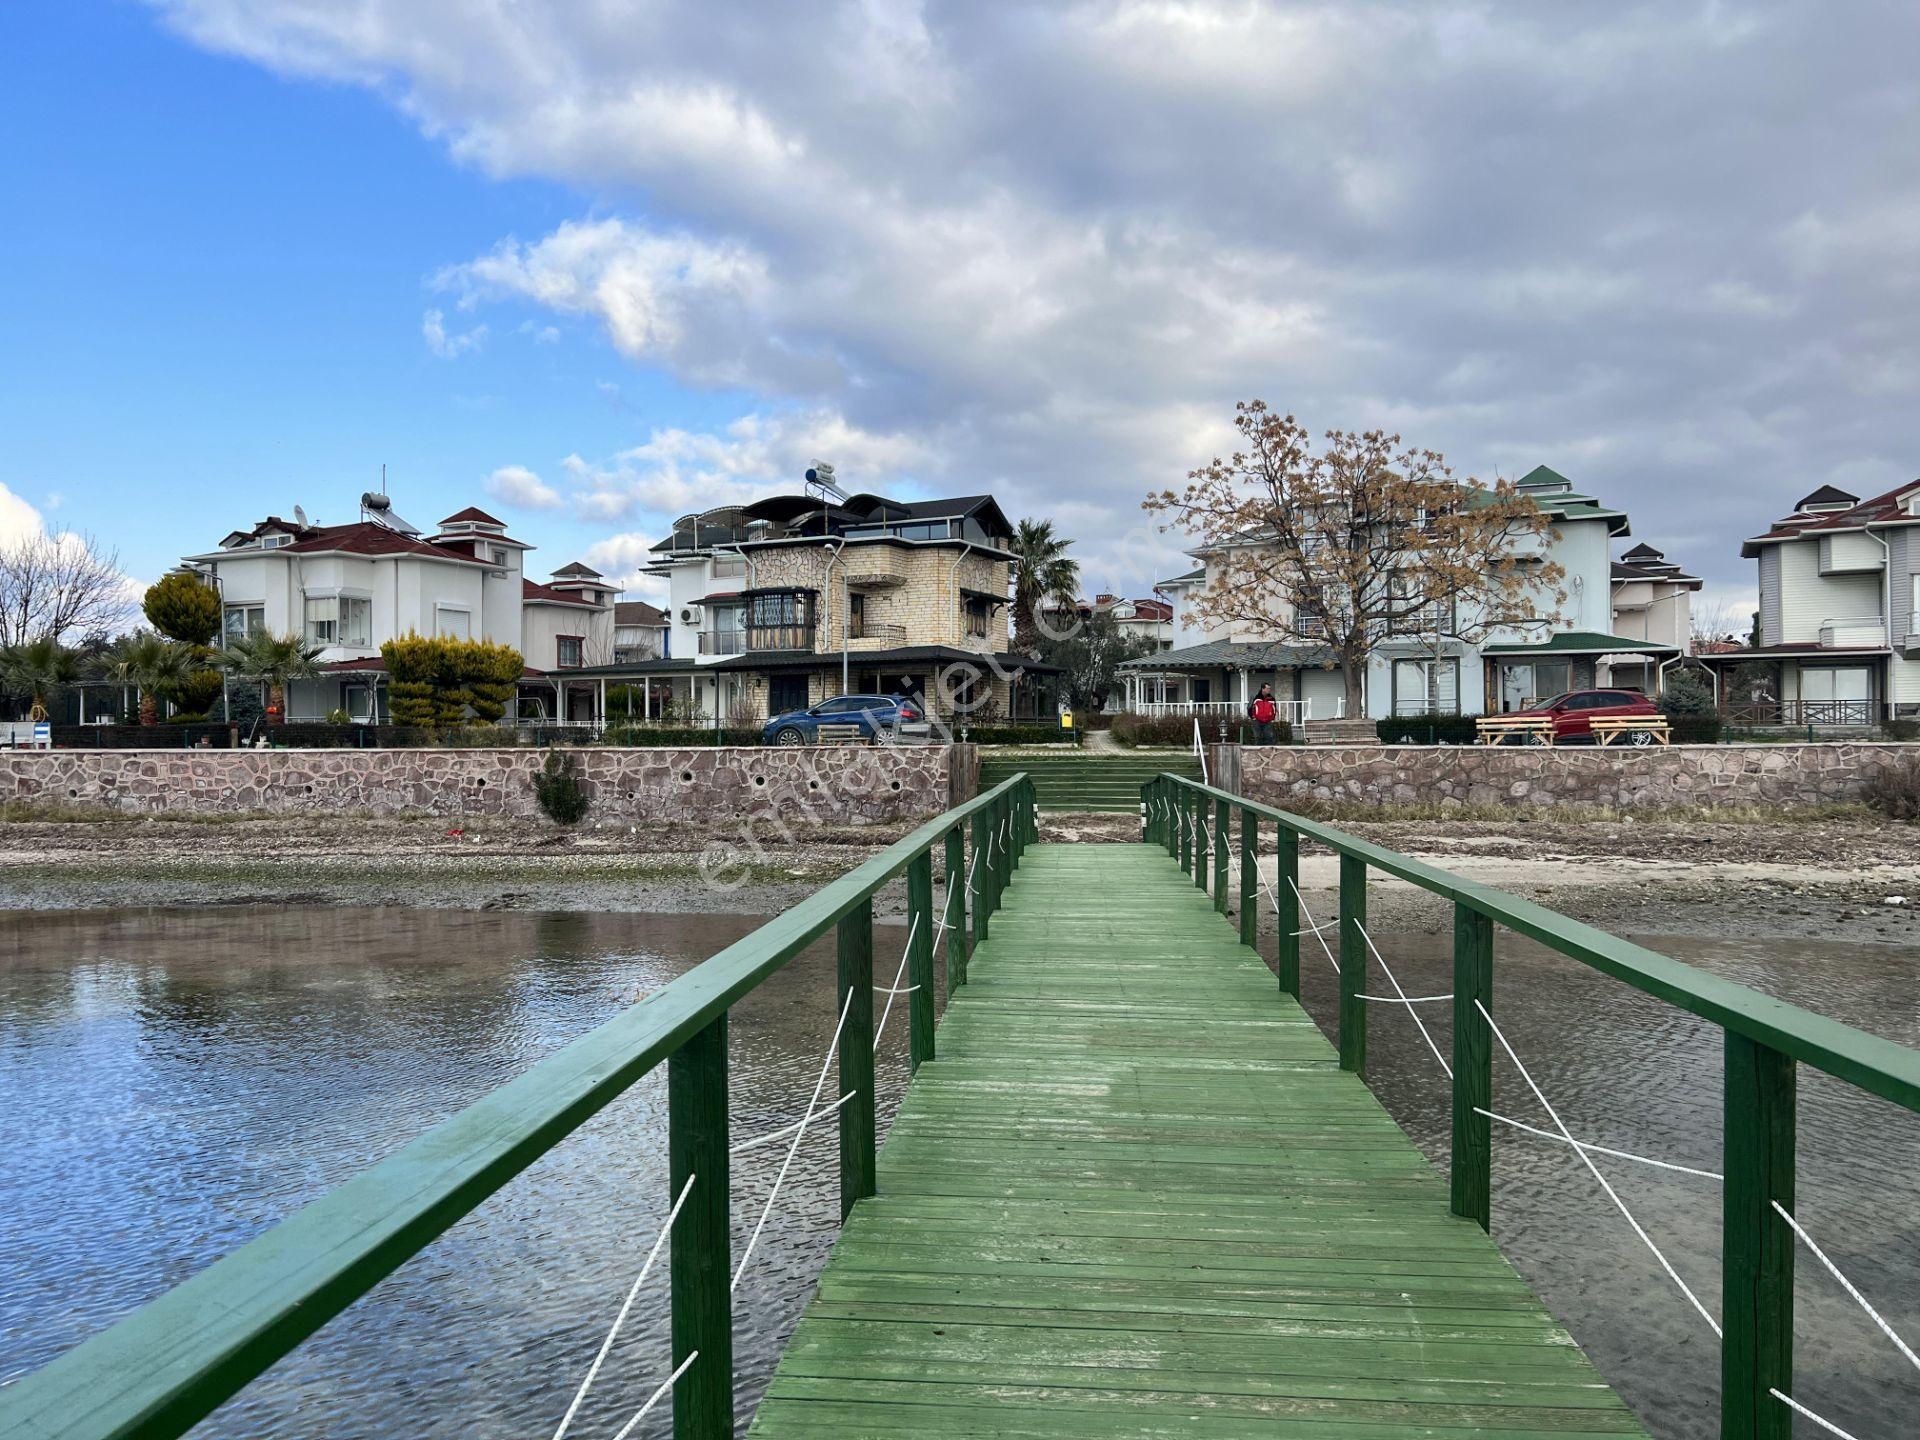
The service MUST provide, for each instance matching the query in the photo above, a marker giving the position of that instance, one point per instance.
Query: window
(856, 615)
(979, 617)
(240, 621)
(729, 567)
(453, 623)
(339, 620)
(786, 607)
(569, 652)
(496, 554)
(1836, 683)
(274, 542)
(1417, 689)
(842, 706)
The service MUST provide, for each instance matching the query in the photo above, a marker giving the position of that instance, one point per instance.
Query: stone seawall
(1683, 776)
(829, 785)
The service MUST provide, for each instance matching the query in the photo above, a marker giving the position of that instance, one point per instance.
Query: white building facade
(1424, 666)
(345, 590)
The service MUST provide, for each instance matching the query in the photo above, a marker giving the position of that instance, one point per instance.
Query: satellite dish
(300, 516)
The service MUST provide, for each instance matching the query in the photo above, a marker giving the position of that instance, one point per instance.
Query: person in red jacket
(1263, 711)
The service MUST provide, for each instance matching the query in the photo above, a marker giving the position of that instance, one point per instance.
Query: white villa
(1839, 615)
(1217, 669)
(350, 588)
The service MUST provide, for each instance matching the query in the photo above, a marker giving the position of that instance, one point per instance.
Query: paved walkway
(1135, 1196)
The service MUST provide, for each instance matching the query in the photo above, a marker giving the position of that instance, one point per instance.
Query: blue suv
(874, 714)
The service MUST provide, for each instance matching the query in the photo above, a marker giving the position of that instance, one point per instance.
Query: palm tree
(274, 661)
(39, 667)
(1042, 573)
(152, 664)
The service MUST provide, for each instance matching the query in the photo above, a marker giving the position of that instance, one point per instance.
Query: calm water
(174, 1082)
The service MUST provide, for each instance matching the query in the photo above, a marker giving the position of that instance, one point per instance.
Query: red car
(1573, 713)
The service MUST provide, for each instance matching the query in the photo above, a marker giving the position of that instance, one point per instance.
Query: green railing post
(701, 1298)
(1756, 1247)
(1472, 1170)
(920, 959)
(1249, 879)
(856, 1055)
(1016, 831)
(977, 879)
(1183, 809)
(956, 911)
(1286, 899)
(1222, 852)
(1353, 964)
(1201, 840)
(1146, 811)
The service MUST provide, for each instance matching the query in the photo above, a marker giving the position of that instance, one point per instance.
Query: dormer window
(274, 542)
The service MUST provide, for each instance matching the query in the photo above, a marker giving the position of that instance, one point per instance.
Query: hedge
(1427, 730)
(1016, 734)
(1694, 729)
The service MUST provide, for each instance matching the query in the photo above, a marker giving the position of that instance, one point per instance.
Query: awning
(1578, 642)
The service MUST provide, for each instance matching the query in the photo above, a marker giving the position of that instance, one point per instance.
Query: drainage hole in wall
(759, 779)
(687, 775)
(813, 784)
(895, 785)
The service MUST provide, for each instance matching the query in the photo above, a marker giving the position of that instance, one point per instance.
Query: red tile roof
(475, 514)
(1880, 510)
(638, 612)
(366, 538)
(545, 594)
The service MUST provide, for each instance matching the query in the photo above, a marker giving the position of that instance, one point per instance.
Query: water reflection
(1629, 1072)
(175, 1082)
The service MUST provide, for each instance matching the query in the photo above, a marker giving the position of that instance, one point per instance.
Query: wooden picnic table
(1532, 729)
(1609, 728)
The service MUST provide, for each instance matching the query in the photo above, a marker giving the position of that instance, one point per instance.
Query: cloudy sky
(608, 262)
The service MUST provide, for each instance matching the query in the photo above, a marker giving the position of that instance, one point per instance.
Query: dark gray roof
(1236, 655)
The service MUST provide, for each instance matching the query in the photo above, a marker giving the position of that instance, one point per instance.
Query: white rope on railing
(626, 1305)
(1587, 1160)
(972, 866)
(1316, 928)
(905, 951)
(1600, 1149)
(1847, 1285)
(1394, 981)
(1820, 1420)
(1407, 999)
(654, 1399)
(785, 1130)
(799, 1134)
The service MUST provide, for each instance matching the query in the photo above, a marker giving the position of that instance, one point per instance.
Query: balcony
(1864, 631)
(723, 642)
(875, 635)
(779, 637)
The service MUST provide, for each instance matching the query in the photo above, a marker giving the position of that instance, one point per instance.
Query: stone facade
(1683, 776)
(860, 785)
(913, 587)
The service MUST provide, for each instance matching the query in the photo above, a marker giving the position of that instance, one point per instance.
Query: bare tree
(1719, 624)
(58, 586)
(1358, 543)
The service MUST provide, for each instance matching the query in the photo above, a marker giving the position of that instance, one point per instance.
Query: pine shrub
(558, 789)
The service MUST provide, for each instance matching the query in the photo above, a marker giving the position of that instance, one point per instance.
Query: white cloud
(517, 485)
(447, 345)
(619, 558)
(18, 519)
(1041, 250)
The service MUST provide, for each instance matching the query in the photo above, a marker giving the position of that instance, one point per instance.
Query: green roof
(1568, 503)
(1581, 642)
(1199, 574)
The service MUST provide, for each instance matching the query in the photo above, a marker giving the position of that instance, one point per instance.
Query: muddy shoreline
(1827, 878)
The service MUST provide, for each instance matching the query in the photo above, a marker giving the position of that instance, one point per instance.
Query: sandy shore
(1809, 878)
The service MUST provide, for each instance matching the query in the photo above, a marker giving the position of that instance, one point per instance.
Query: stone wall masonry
(835, 785)
(1662, 778)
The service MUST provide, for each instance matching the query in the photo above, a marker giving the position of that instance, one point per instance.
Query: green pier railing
(162, 1369)
(1765, 1039)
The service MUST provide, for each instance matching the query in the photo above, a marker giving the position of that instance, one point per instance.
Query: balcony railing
(1292, 711)
(878, 630)
(1862, 630)
(780, 637)
(1801, 712)
(723, 642)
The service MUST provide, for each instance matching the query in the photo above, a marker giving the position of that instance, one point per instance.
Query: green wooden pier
(1136, 1195)
(1132, 1191)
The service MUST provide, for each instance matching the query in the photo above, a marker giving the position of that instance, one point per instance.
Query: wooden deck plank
(1134, 1195)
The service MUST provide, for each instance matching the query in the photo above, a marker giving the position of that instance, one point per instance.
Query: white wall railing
(1292, 711)
(1861, 630)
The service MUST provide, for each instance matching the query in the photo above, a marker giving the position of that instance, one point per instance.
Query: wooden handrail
(165, 1367)
(1765, 1038)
